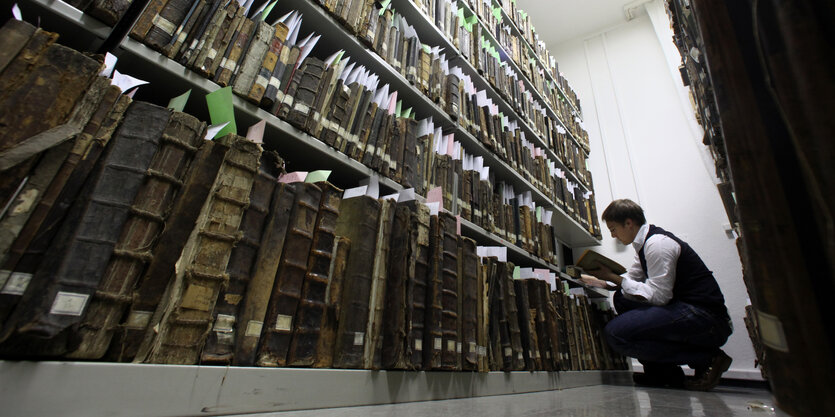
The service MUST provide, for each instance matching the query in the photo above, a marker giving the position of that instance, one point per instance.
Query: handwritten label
(69, 304)
(16, 283)
(283, 323)
(253, 328)
(358, 338)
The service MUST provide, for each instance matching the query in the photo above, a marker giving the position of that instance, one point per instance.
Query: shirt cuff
(634, 288)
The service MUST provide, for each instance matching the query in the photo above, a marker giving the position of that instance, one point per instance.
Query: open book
(591, 260)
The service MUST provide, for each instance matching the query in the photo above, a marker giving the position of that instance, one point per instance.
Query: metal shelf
(90, 389)
(593, 292)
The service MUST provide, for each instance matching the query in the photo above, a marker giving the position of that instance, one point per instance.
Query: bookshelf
(303, 152)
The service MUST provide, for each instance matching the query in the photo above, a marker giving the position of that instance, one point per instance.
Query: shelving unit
(113, 388)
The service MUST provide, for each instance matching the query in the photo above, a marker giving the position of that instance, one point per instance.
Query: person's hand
(593, 281)
(603, 273)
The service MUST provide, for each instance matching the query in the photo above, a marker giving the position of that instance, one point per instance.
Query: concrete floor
(594, 401)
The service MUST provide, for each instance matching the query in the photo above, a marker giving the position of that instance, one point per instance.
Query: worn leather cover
(274, 93)
(250, 65)
(183, 318)
(196, 53)
(468, 296)
(336, 116)
(64, 281)
(220, 344)
(526, 332)
(286, 292)
(433, 323)
(146, 19)
(259, 87)
(313, 305)
(333, 296)
(327, 83)
(221, 46)
(14, 36)
(305, 93)
(376, 304)
(134, 249)
(401, 271)
(499, 332)
(417, 285)
(239, 42)
(483, 333)
(358, 221)
(513, 320)
(165, 23)
(536, 304)
(252, 314)
(451, 357)
(181, 36)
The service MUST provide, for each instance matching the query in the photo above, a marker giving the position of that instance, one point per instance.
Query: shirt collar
(641, 237)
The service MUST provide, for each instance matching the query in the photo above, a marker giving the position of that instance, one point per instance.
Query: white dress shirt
(656, 286)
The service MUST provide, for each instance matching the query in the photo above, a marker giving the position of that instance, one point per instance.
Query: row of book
(342, 104)
(492, 15)
(131, 237)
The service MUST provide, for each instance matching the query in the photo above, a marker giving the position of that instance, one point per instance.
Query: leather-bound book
(250, 65)
(372, 116)
(259, 87)
(358, 221)
(536, 302)
(286, 292)
(183, 319)
(374, 336)
(368, 30)
(417, 286)
(223, 42)
(229, 64)
(14, 36)
(313, 304)
(196, 27)
(342, 141)
(64, 281)
(483, 333)
(376, 136)
(501, 352)
(181, 35)
(220, 345)
(274, 93)
(527, 333)
(305, 94)
(333, 295)
(327, 84)
(393, 155)
(197, 51)
(134, 250)
(513, 320)
(469, 296)
(433, 323)
(451, 356)
(251, 315)
(453, 97)
(125, 339)
(146, 19)
(165, 23)
(356, 125)
(399, 274)
(336, 116)
(411, 176)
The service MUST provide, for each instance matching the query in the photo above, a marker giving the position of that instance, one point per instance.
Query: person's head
(623, 219)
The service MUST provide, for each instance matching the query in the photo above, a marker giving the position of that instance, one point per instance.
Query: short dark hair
(620, 210)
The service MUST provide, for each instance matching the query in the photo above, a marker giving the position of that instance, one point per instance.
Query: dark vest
(695, 283)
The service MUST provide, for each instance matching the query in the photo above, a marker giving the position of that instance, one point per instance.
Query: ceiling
(557, 21)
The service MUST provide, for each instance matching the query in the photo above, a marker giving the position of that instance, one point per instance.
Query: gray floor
(595, 401)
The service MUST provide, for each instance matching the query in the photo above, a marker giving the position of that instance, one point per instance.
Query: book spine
(181, 36)
(146, 19)
(526, 332)
(165, 23)
(262, 80)
(417, 286)
(451, 356)
(313, 304)
(305, 94)
(333, 295)
(220, 345)
(229, 64)
(469, 301)
(433, 330)
(373, 341)
(394, 327)
(358, 220)
(134, 250)
(232, 18)
(251, 64)
(185, 316)
(278, 323)
(250, 325)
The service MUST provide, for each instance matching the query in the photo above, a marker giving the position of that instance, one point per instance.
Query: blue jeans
(674, 334)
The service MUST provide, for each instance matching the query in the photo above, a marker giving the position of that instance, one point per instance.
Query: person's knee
(616, 335)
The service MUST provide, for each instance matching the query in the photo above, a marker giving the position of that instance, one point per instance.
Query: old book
(399, 274)
(220, 345)
(433, 322)
(34, 239)
(146, 19)
(14, 36)
(229, 64)
(274, 93)
(591, 260)
(376, 303)
(305, 93)
(371, 117)
(133, 251)
(343, 139)
(183, 318)
(221, 46)
(417, 284)
(469, 296)
(327, 83)
(196, 26)
(337, 115)
(148, 292)
(250, 323)
(67, 278)
(501, 353)
(286, 292)
(333, 296)
(527, 333)
(251, 63)
(451, 356)
(513, 320)
(358, 220)
(537, 303)
(204, 35)
(313, 304)
(181, 35)
(165, 23)
(259, 87)
(482, 333)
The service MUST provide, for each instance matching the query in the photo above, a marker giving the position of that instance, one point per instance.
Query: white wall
(646, 146)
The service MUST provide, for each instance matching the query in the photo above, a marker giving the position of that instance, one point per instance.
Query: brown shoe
(708, 377)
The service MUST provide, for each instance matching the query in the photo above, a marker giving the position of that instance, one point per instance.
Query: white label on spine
(548, 355)
(418, 345)
(182, 37)
(302, 108)
(508, 352)
(458, 347)
(288, 100)
(261, 80)
(69, 304)
(164, 24)
(472, 348)
(229, 64)
(224, 323)
(4, 277)
(438, 343)
(358, 338)
(138, 319)
(212, 54)
(275, 82)
(519, 356)
(225, 338)
(771, 331)
(253, 328)
(450, 345)
(17, 283)
(283, 323)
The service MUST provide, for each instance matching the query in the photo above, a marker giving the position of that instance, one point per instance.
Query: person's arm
(661, 254)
